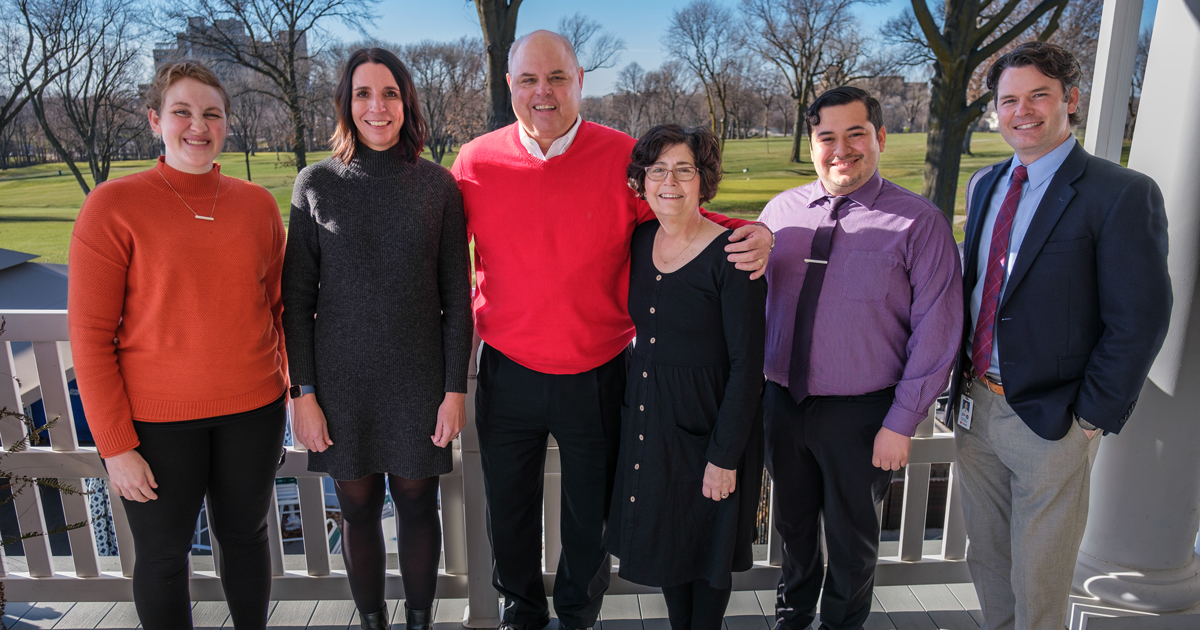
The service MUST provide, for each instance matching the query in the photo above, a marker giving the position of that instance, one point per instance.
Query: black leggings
(419, 541)
(233, 460)
(696, 605)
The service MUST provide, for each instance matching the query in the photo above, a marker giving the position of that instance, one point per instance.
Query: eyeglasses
(682, 173)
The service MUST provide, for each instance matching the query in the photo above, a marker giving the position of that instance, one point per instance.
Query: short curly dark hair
(1051, 60)
(706, 151)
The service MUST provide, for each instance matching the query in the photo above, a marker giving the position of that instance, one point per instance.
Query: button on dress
(692, 397)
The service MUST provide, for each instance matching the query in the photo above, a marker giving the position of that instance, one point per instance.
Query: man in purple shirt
(864, 313)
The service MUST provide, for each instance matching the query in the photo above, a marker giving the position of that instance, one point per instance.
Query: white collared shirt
(557, 148)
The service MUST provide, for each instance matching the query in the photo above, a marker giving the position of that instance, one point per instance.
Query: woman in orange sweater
(174, 310)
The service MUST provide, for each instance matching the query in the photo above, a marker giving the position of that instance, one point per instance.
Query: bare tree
(967, 34)
(498, 18)
(595, 47)
(705, 37)
(270, 38)
(46, 38)
(466, 116)
(671, 91)
(1139, 79)
(246, 114)
(768, 87)
(633, 96)
(97, 97)
(803, 38)
(446, 74)
(915, 102)
(21, 143)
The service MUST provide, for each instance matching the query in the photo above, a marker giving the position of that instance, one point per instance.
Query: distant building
(189, 44)
(905, 103)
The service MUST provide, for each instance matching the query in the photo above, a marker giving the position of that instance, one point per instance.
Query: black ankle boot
(418, 619)
(377, 620)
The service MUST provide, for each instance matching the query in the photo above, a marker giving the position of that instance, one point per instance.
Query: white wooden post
(1116, 51)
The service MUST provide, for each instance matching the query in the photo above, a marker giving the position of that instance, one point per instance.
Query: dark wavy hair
(414, 130)
(706, 151)
(843, 95)
(1051, 60)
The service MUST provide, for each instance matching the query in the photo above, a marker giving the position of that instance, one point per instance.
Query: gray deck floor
(924, 607)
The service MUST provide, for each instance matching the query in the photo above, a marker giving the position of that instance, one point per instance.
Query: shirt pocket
(868, 275)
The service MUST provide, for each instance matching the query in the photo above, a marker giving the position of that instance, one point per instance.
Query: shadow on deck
(918, 607)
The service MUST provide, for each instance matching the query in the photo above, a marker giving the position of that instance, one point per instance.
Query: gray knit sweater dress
(377, 308)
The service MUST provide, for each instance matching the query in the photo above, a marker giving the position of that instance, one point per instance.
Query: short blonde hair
(168, 75)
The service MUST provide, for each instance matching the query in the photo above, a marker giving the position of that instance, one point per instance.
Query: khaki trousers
(1025, 503)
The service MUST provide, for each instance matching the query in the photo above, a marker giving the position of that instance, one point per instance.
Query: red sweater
(173, 318)
(552, 246)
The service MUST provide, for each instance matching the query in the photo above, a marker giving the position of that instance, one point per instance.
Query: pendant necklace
(685, 248)
(211, 213)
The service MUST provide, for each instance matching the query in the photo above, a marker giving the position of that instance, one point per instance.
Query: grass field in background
(38, 204)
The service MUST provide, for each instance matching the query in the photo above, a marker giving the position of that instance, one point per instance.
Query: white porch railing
(467, 571)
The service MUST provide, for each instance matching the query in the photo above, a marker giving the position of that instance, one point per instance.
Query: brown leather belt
(996, 388)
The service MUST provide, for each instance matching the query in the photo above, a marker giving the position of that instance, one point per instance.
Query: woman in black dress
(377, 319)
(690, 466)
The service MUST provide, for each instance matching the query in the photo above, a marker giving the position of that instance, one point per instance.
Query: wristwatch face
(294, 391)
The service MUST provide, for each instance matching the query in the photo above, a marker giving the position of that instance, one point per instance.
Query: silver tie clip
(813, 260)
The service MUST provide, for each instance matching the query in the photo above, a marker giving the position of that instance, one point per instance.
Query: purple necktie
(806, 309)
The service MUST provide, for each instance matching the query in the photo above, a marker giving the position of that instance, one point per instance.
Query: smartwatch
(297, 391)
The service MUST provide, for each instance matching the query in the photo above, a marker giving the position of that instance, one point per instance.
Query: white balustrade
(467, 571)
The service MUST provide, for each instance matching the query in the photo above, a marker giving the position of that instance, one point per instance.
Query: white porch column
(1139, 548)
(1116, 51)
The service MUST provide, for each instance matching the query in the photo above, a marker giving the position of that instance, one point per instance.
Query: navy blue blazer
(1087, 303)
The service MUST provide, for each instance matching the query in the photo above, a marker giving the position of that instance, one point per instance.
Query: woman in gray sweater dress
(377, 321)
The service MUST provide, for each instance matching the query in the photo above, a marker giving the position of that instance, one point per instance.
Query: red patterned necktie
(993, 280)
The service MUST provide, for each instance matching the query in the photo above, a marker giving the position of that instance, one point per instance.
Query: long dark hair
(414, 130)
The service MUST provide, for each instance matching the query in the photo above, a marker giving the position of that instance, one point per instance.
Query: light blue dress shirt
(1040, 172)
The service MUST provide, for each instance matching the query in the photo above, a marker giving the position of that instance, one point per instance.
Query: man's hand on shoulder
(750, 247)
(891, 450)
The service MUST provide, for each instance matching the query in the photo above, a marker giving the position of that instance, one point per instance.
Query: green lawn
(38, 204)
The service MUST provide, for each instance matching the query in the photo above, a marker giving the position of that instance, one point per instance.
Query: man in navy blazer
(1067, 300)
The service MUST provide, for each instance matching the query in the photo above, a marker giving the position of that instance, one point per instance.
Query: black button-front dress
(692, 397)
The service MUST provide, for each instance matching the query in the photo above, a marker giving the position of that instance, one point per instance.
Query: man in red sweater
(551, 215)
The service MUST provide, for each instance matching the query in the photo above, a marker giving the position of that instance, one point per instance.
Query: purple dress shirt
(891, 309)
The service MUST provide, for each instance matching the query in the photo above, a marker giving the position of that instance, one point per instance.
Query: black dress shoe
(418, 619)
(377, 620)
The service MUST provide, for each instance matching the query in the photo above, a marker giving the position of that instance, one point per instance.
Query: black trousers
(819, 456)
(696, 605)
(516, 409)
(233, 460)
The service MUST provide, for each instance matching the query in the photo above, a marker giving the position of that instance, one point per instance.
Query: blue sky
(641, 23)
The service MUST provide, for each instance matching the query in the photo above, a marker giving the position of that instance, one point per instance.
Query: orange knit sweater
(171, 317)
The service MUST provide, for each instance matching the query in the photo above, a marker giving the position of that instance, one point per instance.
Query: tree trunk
(966, 145)
(498, 19)
(299, 129)
(943, 147)
(797, 132)
(248, 166)
(39, 112)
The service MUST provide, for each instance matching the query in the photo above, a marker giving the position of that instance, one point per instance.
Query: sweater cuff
(117, 440)
(722, 457)
(902, 421)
